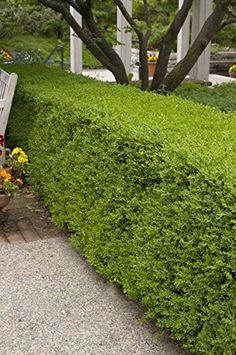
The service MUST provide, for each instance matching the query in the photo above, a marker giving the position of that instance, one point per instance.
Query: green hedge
(221, 96)
(147, 186)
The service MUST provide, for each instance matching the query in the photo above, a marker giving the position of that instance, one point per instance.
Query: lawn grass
(221, 96)
(40, 47)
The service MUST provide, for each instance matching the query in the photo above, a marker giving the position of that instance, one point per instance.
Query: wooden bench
(7, 90)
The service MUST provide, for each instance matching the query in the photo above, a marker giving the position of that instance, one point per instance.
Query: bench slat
(7, 90)
(4, 81)
(2, 103)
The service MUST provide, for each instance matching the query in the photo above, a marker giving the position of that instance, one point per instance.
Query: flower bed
(11, 173)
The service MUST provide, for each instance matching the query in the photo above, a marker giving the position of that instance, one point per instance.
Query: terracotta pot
(4, 200)
(232, 74)
(151, 68)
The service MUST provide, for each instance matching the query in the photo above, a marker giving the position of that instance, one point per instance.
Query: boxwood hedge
(146, 184)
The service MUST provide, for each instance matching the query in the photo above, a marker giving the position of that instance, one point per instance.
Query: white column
(124, 38)
(76, 59)
(183, 37)
(201, 11)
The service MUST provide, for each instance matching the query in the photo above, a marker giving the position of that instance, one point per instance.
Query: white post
(183, 37)
(76, 59)
(201, 11)
(124, 38)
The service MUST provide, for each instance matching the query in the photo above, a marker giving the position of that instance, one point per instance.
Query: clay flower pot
(151, 68)
(4, 200)
(232, 74)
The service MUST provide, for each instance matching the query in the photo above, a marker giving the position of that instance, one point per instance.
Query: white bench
(7, 90)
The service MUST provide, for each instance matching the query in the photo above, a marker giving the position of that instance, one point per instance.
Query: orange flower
(5, 175)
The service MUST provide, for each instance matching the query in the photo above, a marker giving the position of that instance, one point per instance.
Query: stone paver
(2, 240)
(53, 303)
(27, 230)
(25, 219)
(14, 237)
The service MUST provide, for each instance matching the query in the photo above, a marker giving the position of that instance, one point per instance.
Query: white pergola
(76, 51)
(200, 12)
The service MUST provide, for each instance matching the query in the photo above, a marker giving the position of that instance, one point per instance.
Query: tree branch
(147, 13)
(227, 22)
(59, 7)
(53, 4)
(98, 36)
(167, 44)
(127, 16)
(92, 37)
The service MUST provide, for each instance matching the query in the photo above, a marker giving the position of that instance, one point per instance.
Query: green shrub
(226, 37)
(147, 186)
(221, 96)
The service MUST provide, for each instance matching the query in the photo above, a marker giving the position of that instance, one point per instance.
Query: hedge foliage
(221, 96)
(147, 186)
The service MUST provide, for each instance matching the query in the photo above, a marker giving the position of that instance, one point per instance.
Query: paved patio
(53, 302)
(25, 220)
(106, 75)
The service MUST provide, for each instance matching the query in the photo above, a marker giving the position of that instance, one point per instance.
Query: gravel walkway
(53, 302)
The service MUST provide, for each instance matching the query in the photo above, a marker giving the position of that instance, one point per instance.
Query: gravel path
(53, 302)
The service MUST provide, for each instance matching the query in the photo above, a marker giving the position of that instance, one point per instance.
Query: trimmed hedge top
(142, 115)
(146, 184)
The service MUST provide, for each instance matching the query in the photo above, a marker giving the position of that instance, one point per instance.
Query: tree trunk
(117, 68)
(177, 75)
(95, 42)
(143, 70)
(119, 72)
(167, 45)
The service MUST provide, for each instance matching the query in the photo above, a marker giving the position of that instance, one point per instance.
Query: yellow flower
(16, 151)
(6, 56)
(23, 155)
(232, 68)
(19, 181)
(19, 155)
(22, 159)
(152, 58)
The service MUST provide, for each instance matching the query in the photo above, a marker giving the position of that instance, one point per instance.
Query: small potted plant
(152, 62)
(8, 187)
(5, 56)
(11, 175)
(232, 71)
